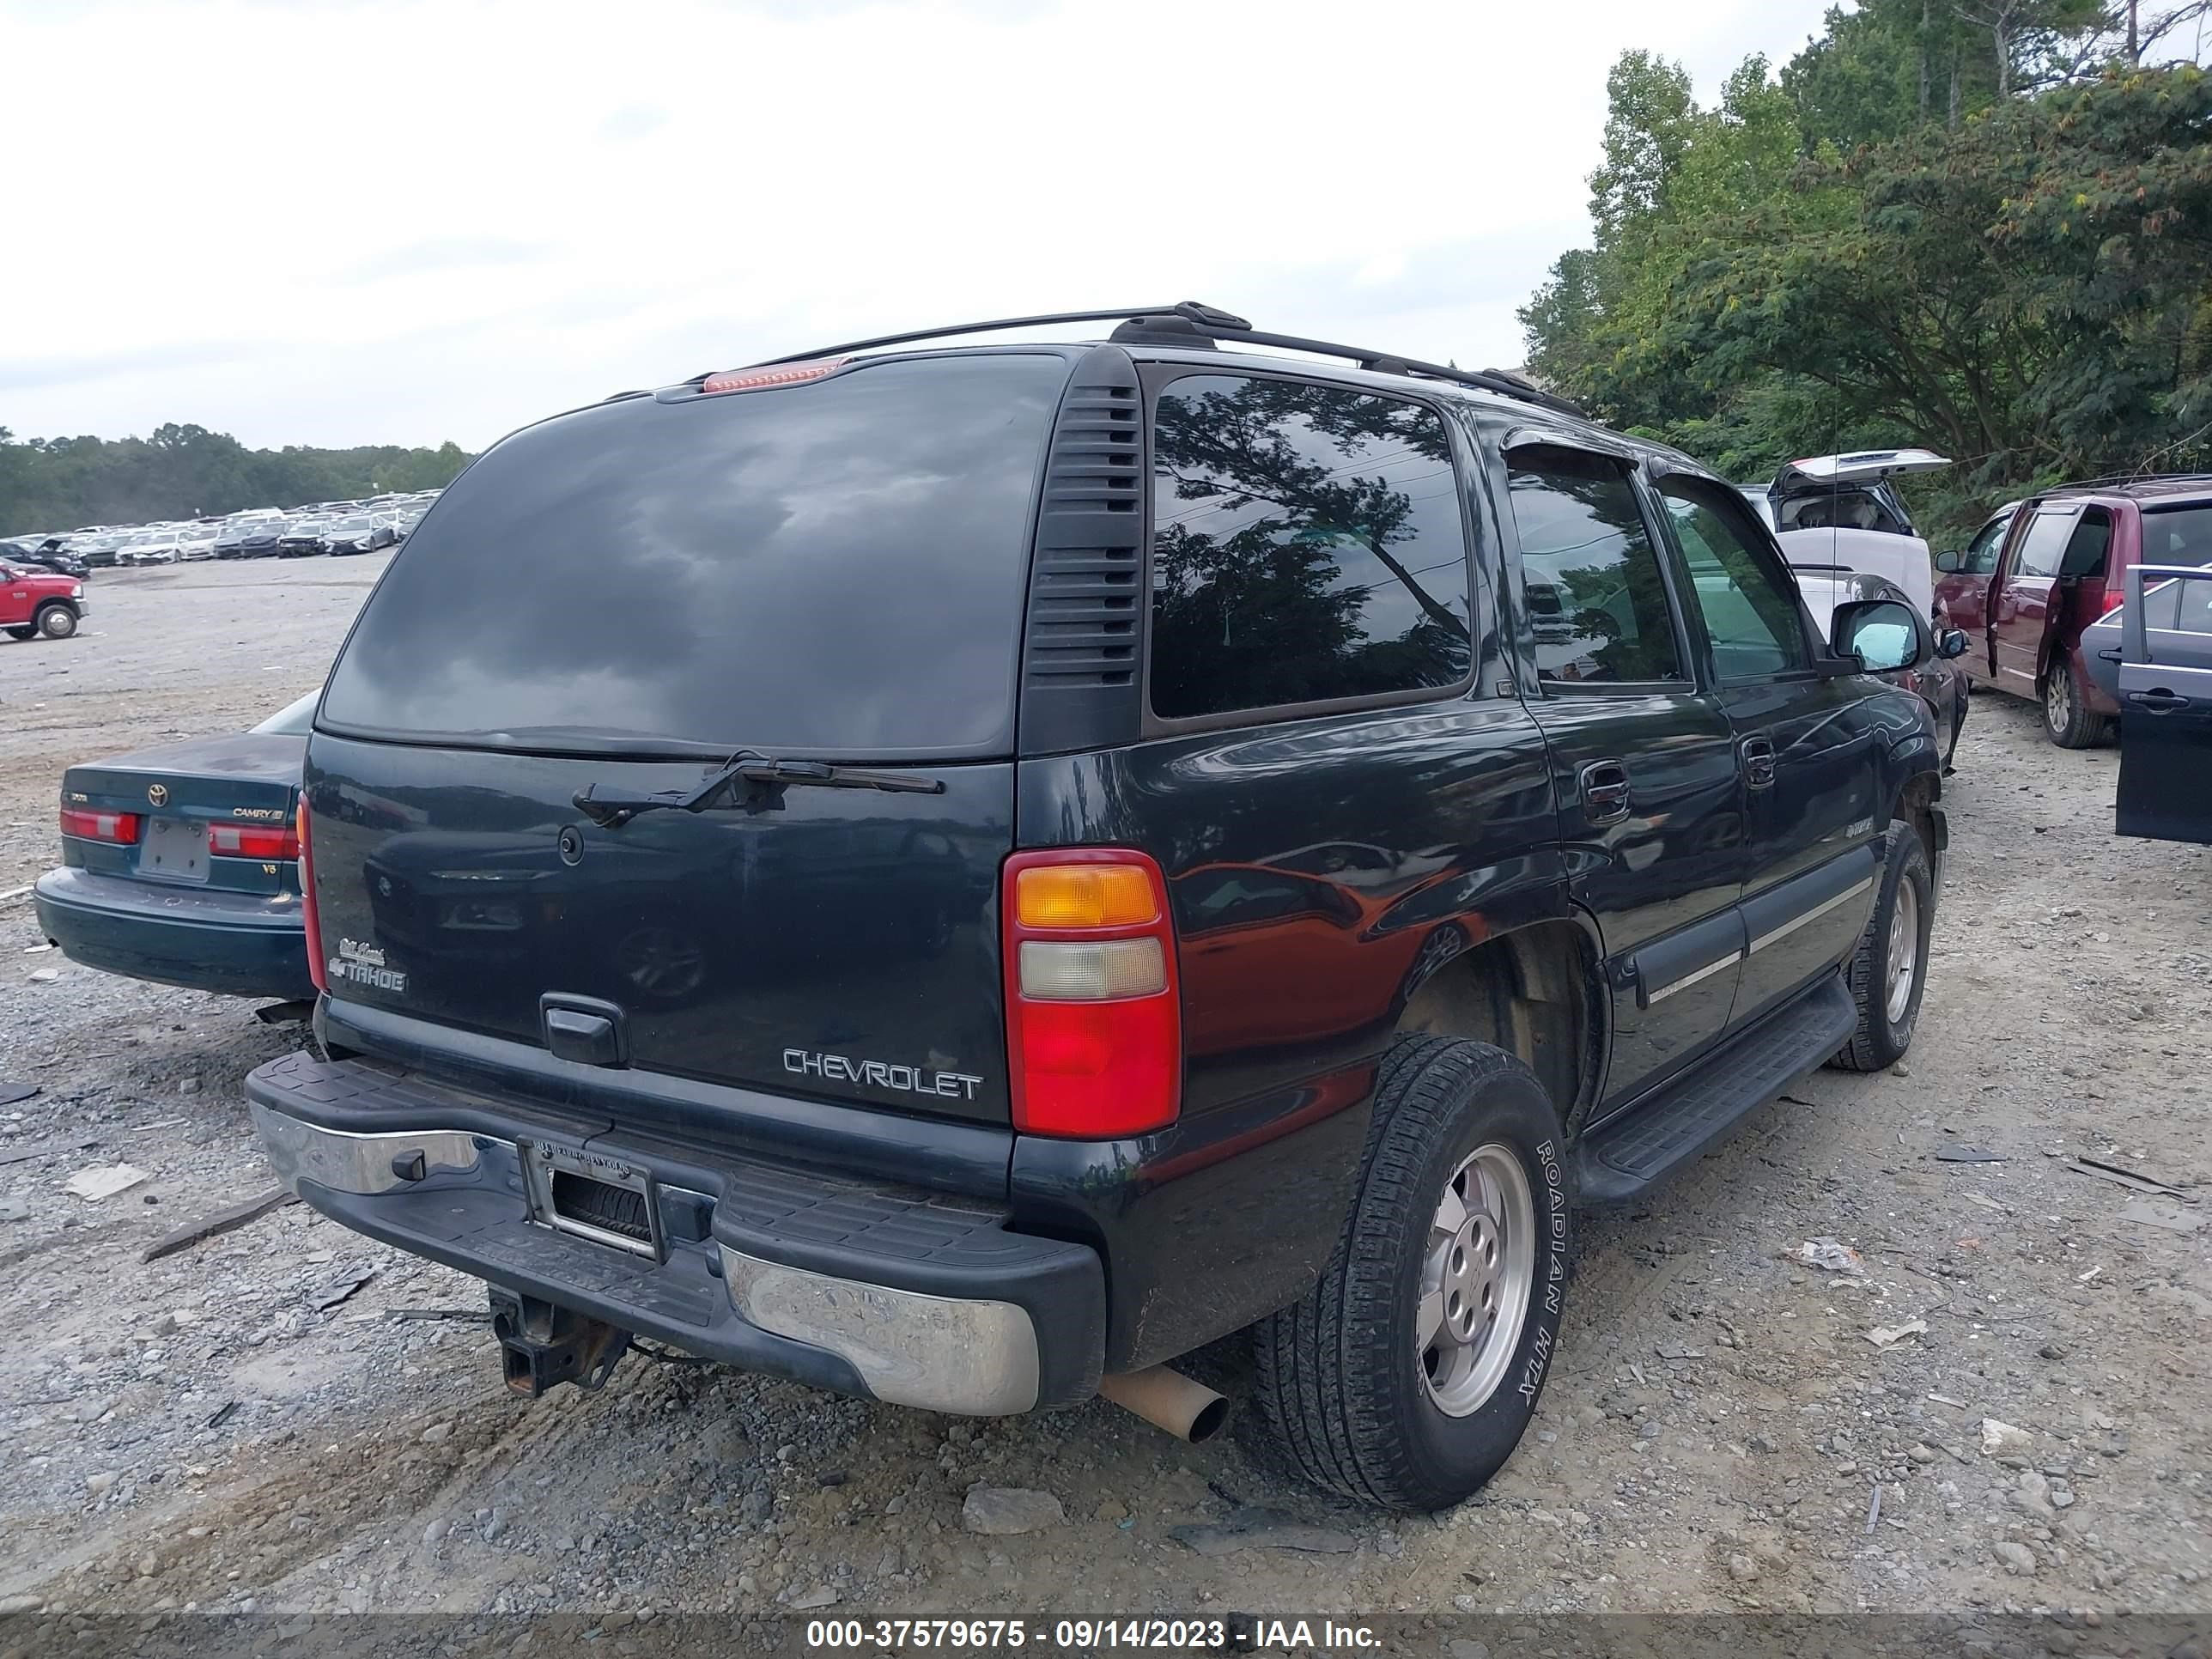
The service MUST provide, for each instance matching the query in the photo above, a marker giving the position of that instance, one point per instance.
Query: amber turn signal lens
(1084, 896)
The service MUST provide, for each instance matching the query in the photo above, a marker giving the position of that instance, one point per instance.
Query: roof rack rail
(1205, 324)
(2122, 480)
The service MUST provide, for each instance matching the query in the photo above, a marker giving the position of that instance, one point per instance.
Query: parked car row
(360, 526)
(2035, 605)
(2042, 573)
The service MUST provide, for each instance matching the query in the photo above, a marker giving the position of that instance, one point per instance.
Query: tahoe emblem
(363, 964)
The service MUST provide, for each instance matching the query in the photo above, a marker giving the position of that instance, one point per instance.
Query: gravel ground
(224, 1429)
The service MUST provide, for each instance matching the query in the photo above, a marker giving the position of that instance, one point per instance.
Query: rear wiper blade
(759, 771)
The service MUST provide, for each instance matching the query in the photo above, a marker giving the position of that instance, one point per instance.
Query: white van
(1836, 515)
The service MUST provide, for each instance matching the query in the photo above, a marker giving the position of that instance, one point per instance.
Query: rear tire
(1888, 972)
(22, 633)
(57, 621)
(2067, 720)
(1459, 1233)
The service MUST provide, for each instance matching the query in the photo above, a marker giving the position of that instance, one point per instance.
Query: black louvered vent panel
(1086, 583)
(1094, 453)
(1083, 616)
(1084, 589)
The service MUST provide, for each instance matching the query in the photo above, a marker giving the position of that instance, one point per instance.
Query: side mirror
(1883, 635)
(1951, 642)
(1946, 562)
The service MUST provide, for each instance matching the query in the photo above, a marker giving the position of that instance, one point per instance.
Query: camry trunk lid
(206, 812)
(824, 583)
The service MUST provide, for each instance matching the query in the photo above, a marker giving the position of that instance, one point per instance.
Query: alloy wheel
(1476, 1279)
(1903, 967)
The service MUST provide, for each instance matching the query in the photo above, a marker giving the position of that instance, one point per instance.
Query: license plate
(592, 1196)
(176, 849)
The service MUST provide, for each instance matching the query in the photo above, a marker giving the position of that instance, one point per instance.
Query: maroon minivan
(2041, 570)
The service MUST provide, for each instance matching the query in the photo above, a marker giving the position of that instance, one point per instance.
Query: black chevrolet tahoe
(959, 873)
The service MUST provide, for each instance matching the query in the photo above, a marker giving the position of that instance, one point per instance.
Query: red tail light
(119, 828)
(316, 970)
(1094, 1018)
(242, 841)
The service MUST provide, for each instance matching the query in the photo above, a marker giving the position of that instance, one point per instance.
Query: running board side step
(1625, 1158)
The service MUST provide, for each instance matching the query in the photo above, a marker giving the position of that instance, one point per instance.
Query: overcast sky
(345, 223)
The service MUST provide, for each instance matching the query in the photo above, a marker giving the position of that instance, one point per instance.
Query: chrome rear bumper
(707, 1280)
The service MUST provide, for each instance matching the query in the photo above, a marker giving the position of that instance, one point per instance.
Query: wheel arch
(1919, 803)
(1535, 991)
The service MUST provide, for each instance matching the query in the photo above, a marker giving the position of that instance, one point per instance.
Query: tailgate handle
(584, 1028)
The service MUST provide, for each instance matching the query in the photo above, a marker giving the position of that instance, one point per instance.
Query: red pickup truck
(37, 604)
(2041, 570)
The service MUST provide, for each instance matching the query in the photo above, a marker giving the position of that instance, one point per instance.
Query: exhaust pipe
(1168, 1400)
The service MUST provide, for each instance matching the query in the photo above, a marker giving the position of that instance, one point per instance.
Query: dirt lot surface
(223, 1430)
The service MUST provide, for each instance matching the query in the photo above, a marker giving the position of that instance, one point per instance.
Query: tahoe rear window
(832, 571)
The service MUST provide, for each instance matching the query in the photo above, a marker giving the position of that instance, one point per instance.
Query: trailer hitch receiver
(541, 1345)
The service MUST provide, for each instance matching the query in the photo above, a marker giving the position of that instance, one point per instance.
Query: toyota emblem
(158, 793)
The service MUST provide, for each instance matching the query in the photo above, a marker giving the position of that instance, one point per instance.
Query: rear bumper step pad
(908, 1296)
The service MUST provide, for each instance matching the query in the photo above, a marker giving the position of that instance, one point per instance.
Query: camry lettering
(881, 1074)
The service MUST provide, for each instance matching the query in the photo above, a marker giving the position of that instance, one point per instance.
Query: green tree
(2022, 293)
(187, 471)
(1976, 224)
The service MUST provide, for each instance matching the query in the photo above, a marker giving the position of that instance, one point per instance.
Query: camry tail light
(1094, 1021)
(313, 923)
(240, 840)
(119, 827)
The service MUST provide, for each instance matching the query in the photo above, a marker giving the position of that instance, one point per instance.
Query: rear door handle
(1605, 791)
(2161, 702)
(1757, 762)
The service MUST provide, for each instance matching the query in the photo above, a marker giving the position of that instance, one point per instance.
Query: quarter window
(2193, 612)
(1309, 545)
(1590, 582)
(1751, 613)
(2177, 535)
(2182, 605)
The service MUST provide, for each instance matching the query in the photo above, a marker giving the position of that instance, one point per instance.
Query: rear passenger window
(2085, 549)
(1308, 545)
(2192, 612)
(1590, 579)
(2042, 549)
(2162, 607)
(2181, 606)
